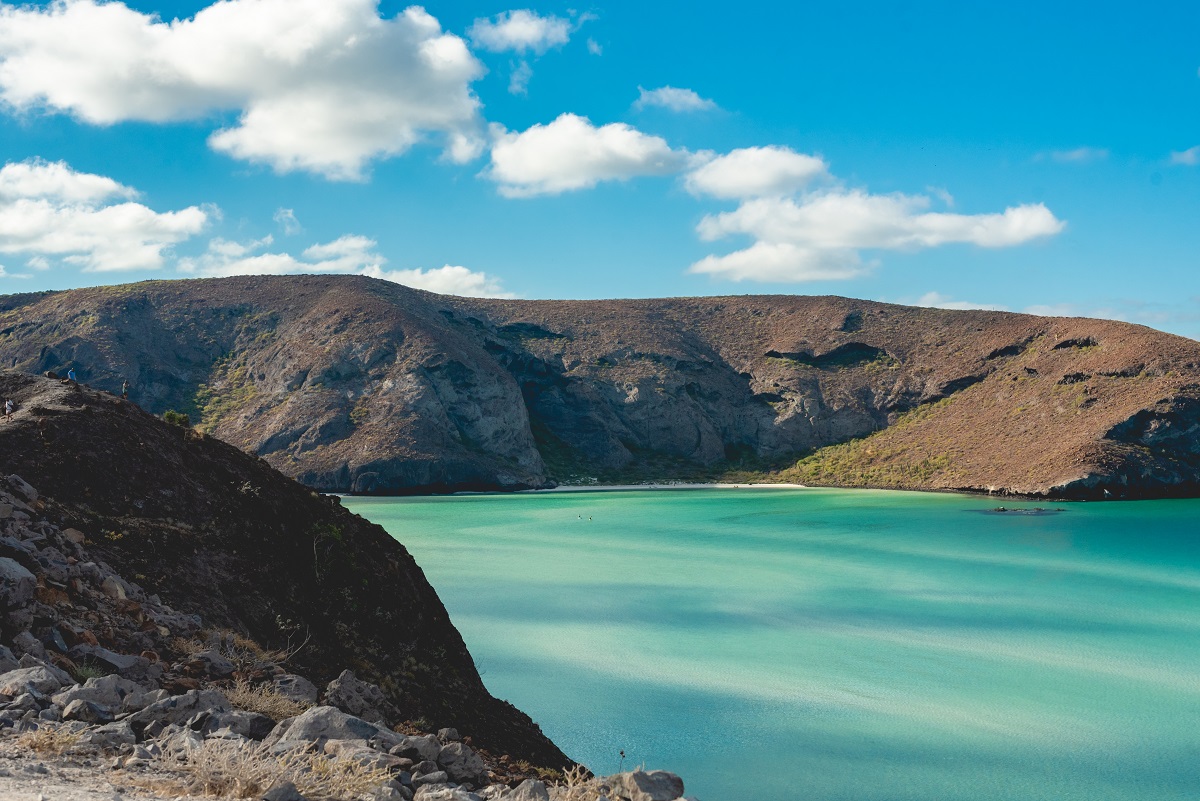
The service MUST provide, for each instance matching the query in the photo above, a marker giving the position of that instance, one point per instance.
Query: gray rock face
(17, 585)
(179, 709)
(462, 764)
(20, 486)
(41, 678)
(8, 661)
(638, 785)
(359, 698)
(325, 722)
(111, 735)
(250, 725)
(418, 748)
(108, 691)
(87, 712)
(296, 688)
(528, 790)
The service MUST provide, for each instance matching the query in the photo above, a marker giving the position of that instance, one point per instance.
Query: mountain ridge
(353, 384)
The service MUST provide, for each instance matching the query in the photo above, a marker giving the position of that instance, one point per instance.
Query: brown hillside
(354, 384)
(218, 532)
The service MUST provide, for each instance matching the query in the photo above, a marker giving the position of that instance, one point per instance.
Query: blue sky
(1033, 157)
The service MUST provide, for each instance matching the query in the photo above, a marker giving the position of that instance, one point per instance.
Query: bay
(834, 644)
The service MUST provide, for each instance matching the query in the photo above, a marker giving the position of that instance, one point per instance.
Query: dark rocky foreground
(114, 687)
(353, 384)
(211, 531)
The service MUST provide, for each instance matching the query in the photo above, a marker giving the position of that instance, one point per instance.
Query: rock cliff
(353, 384)
(171, 516)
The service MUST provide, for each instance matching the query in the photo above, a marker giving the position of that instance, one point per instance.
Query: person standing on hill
(8, 407)
(125, 389)
(71, 375)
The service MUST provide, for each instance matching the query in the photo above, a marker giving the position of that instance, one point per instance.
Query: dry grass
(263, 699)
(48, 740)
(578, 785)
(235, 770)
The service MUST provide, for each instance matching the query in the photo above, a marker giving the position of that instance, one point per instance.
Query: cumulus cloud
(50, 211)
(819, 235)
(521, 31)
(518, 82)
(755, 172)
(286, 218)
(937, 300)
(672, 98)
(571, 153)
(347, 255)
(1188, 158)
(1079, 155)
(319, 86)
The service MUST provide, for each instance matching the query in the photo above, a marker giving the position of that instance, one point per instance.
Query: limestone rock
(8, 661)
(418, 748)
(528, 790)
(296, 688)
(359, 698)
(17, 585)
(41, 678)
(87, 712)
(462, 764)
(179, 709)
(20, 486)
(654, 785)
(324, 722)
(108, 691)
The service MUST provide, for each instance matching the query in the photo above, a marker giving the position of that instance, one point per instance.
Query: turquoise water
(834, 644)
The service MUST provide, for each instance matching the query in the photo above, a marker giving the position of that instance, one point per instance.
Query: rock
(41, 678)
(435, 777)
(448, 735)
(359, 698)
(114, 587)
(296, 688)
(88, 712)
(26, 643)
(639, 785)
(8, 661)
(442, 793)
(17, 585)
(390, 791)
(6, 510)
(210, 663)
(179, 709)
(282, 790)
(108, 691)
(528, 790)
(462, 764)
(325, 722)
(111, 735)
(418, 748)
(135, 668)
(19, 485)
(363, 754)
(251, 725)
(74, 535)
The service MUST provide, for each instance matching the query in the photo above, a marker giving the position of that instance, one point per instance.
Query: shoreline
(672, 485)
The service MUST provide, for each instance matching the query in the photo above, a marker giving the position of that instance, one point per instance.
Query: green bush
(177, 418)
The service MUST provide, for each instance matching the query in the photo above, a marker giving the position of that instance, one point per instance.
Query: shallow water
(834, 644)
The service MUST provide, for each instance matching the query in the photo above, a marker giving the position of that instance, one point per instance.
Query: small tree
(177, 418)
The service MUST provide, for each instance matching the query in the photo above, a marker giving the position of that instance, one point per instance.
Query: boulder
(251, 725)
(443, 793)
(17, 585)
(462, 764)
(179, 709)
(42, 678)
(418, 748)
(21, 486)
(324, 722)
(640, 785)
(210, 663)
(528, 790)
(448, 735)
(111, 735)
(26, 643)
(108, 691)
(283, 790)
(435, 777)
(87, 712)
(8, 661)
(359, 698)
(296, 688)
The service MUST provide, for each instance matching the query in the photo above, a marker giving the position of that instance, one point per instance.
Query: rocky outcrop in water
(353, 384)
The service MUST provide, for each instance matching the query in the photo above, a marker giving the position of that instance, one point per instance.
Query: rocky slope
(117, 694)
(353, 384)
(197, 524)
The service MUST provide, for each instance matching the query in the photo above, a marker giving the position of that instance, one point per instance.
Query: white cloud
(319, 86)
(1189, 157)
(518, 83)
(571, 153)
(286, 218)
(1080, 155)
(669, 97)
(594, 47)
(347, 255)
(48, 210)
(942, 194)
(937, 300)
(521, 31)
(818, 235)
(754, 172)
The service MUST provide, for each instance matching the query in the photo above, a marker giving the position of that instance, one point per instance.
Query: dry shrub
(237, 770)
(264, 699)
(48, 740)
(578, 785)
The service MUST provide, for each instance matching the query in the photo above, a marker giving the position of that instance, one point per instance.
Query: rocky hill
(354, 384)
(170, 516)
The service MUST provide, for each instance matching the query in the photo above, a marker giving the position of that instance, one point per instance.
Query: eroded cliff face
(349, 383)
